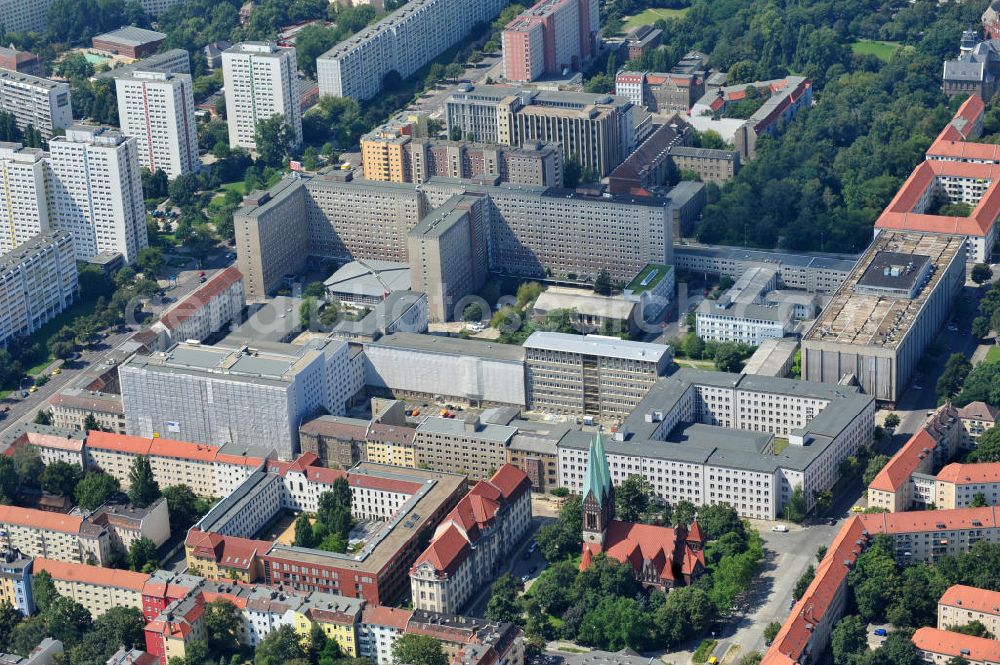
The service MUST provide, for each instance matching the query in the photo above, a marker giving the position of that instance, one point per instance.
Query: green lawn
(779, 445)
(993, 355)
(237, 186)
(636, 284)
(651, 16)
(881, 50)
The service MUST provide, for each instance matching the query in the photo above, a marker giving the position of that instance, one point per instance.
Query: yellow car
(56, 372)
(857, 509)
(33, 389)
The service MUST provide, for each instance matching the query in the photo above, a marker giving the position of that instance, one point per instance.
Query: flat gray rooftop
(597, 345)
(450, 346)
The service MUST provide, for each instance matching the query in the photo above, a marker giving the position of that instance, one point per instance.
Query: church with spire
(661, 557)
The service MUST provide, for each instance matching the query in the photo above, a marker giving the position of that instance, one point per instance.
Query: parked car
(779, 528)
(880, 632)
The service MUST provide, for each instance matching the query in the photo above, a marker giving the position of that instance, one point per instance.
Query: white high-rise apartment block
(157, 109)
(35, 101)
(24, 211)
(23, 15)
(260, 81)
(38, 280)
(95, 191)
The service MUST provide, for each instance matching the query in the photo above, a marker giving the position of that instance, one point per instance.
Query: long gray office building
(532, 231)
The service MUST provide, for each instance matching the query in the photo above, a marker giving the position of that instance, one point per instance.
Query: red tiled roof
(648, 544)
(972, 599)
(899, 213)
(72, 444)
(947, 643)
(958, 129)
(446, 552)
(40, 519)
(383, 615)
(898, 470)
(238, 460)
(511, 480)
(198, 452)
(979, 410)
(384, 484)
(792, 640)
(185, 309)
(123, 443)
(963, 474)
(227, 551)
(921, 521)
(93, 575)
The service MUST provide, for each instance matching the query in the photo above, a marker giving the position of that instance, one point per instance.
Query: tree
(602, 284)
(981, 273)
(143, 489)
(796, 508)
(564, 538)
(751, 658)
(43, 417)
(632, 498)
(803, 582)
(274, 139)
(142, 555)
(719, 519)
(223, 623)
(848, 641)
(979, 500)
(304, 531)
(771, 631)
(821, 552)
(28, 463)
(473, 312)
(980, 327)
(43, 591)
(891, 422)
(61, 478)
(503, 606)
(616, 623)
(67, 620)
(875, 464)
(95, 489)
(572, 172)
(956, 369)
(728, 358)
(551, 590)
(973, 628)
(279, 647)
(184, 506)
(413, 649)
(687, 612)
(684, 513)
(150, 260)
(311, 42)
(8, 480)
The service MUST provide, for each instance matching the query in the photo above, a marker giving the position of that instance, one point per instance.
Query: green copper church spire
(598, 477)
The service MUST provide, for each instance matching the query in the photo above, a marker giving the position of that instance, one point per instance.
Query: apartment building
(977, 418)
(70, 408)
(961, 605)
(472, 542)
(38, 280)
(711, 164)
(15, 582)
(549, 38)
(709, 438)
(660, 92)
(886, 313)
(38, 533)
(814, 274)
(402, 42)
(959, 170)
(906, 481)
(598, 131)
(590, 375)
(447, 250)
(35, 101)
(390, 153)
(95, 191)
(157, 109)
(204, 312)
(930, 535)
(19, 16)
(380, 627)
(24, 211)
(962, 485)
(261, 82)
(467, 446)
(96, 588)
(199, 393)
(940, 647)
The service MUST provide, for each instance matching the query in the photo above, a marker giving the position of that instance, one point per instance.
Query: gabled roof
(898, 470)
(40, 519)
(446, 552)
(966, 474)
(972, 599)
(122, 443)
(383, 615)
(92, 575)
(200, 297)
(662, 548)
(511, 481)
(979, 411)
(947, 643)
